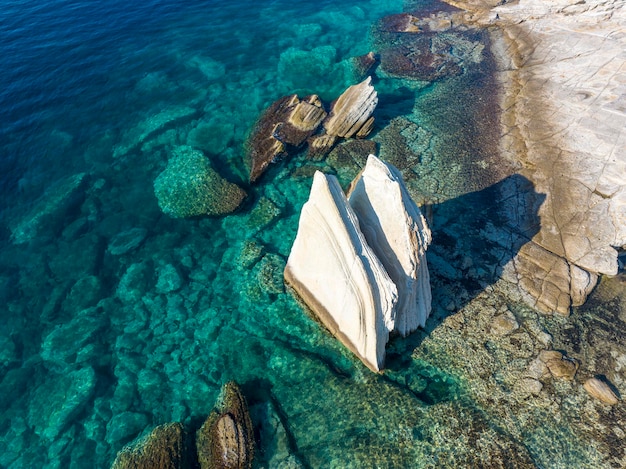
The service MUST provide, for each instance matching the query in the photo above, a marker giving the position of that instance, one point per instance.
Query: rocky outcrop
(189, 187)
(288, 122)
(397, 232)
(226, 439)
(163, 448)
(320, 145)
(563, 115)
(351, 114)
(332, 268)
(360, 266)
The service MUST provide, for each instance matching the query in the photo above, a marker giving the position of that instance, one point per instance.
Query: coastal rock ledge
(360, 266)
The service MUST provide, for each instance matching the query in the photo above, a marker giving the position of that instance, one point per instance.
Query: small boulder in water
(600, 390)
(189, 187)
(163, 448)
(352, 110)
(559, 365)
(286, 124)
(226, 439)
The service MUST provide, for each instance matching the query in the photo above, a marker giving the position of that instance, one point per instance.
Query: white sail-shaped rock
(398, 233)
(335, 272)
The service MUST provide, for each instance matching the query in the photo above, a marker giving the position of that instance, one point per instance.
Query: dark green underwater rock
(269, 274)
(189, 187)
(57, 401)
(76, 341)
(163, 448)
(49, 211)
(226, 439)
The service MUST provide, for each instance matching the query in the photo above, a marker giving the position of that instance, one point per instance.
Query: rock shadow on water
(474, 236)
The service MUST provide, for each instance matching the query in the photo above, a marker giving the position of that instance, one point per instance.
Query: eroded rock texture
(427, 48)
(332, 268)
(563, 118)
(351, 114)
(397, 232)
(226, 439)
(163, 448)
(286, 124)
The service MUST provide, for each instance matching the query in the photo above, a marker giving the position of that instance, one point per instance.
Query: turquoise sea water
(116, 317)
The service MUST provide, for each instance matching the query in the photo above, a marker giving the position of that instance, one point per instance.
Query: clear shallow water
(117, 318)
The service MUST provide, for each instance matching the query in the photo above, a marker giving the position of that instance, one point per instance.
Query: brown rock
(226, 439)
(163, 448)
(285, 125)
(364, 65)
(400, 23)
(549, 290)
(559, 365)
(320, 145)
(600, 390)
(352, 110)
(504, 323)
(306, 116)
(529, 386)
(416, 60)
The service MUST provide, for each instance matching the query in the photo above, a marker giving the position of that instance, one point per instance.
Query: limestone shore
(562, 70)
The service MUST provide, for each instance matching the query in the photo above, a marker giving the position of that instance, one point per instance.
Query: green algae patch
(189, 187)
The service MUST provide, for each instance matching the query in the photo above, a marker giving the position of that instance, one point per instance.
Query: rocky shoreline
(563, 111)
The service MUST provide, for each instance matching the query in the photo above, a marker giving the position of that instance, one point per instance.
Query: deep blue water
(101, 342)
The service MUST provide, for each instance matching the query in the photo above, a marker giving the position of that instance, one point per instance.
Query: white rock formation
(339, 277)
(396, 230)
(562, 64)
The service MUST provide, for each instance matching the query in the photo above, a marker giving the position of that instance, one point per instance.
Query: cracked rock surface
(562, 65)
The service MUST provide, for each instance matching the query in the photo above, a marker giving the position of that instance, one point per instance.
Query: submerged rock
(189, 186)
(398, 233)
(426, 49)
(364, 65)
(288, 122)
(151, 126)
(400, 23)
(226, 439)
(353, 111)
(559, 365)
(56, 403)
(320, 145)
(74, 342)
(163, 448)
(349, 158)
(49, 212)
(549, 282)
(127, 240)
(332, 268)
